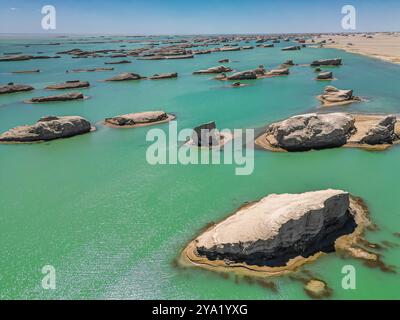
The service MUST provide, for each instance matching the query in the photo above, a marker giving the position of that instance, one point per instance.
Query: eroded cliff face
(279, 228)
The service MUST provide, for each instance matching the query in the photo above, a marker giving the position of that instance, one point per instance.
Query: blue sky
(197, 17)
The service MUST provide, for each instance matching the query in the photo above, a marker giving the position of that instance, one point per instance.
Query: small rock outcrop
(317, 289)
(12, 88)
(26, 71)
(279, 72)
(60, 97)
(138, 119)
(335, 97)
(243, 75)
(325, 76)
(327, 62)
(206, 135)
(48, 128)
(218, 69)
(71, 84)
(125, 77)
(291, 48)
(17, 57)
(118, 62)
(91, 70)
(381, 132)
(164, 76)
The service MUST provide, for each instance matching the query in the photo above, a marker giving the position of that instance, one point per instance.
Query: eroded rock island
(138, 119)
(279, 233)
(48, 128)
(321, 131)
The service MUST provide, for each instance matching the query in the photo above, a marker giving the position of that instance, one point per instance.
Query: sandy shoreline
(383, 46)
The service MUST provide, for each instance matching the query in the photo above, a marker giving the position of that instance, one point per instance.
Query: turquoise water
(112, 225)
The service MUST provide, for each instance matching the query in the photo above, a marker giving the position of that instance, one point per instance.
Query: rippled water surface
(112, 224)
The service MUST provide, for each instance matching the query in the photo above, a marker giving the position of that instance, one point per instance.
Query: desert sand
(383, 46)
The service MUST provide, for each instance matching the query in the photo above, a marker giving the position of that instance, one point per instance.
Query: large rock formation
(60, 97)
(218, 69)
(333, 97)
(48, 128)
(311, 131)
(278, 228)
(71, 84)
(12, 88)
(139, 118)
(327, 62)
(125, 77)
(319, 131)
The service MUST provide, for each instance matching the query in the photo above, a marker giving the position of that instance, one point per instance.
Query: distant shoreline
(382, 46)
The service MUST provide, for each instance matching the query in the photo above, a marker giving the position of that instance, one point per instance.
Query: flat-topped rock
(125, 77)
(118, 62)
(279, 72)
(218, 69)
(17, 57)
(60, 97)
(91, 70)
(320, 131)
(164, 76)
(278, 228)
(26, 71)
(327, 62)
(291, 48)
(47, 128)
(181, 56)
(229, 49)
(13, 87)
(325, 76)
(243, 75)
(139, 119)
(375, 130)
(157, 57)
(336, 97)
(71, 84)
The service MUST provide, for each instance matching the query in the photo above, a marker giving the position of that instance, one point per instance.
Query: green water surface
(112, 224)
